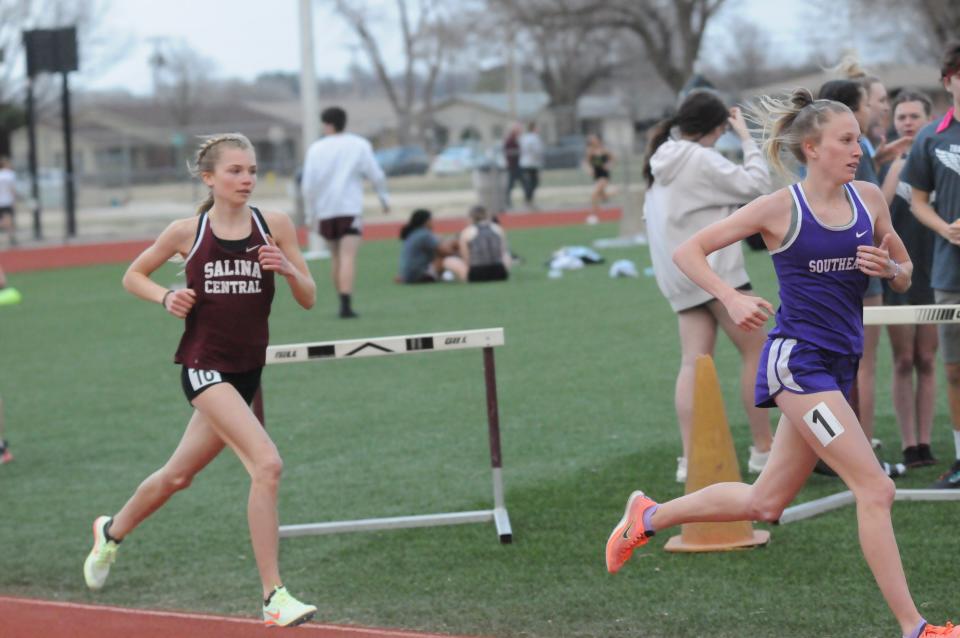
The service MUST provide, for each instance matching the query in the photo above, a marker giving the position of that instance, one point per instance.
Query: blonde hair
(787, 122)
(208, 155)
(849, 68)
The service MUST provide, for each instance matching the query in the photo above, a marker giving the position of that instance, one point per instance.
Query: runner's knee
(268, 469)
(876, 493)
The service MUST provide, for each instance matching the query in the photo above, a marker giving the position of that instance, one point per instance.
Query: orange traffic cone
(712, 460)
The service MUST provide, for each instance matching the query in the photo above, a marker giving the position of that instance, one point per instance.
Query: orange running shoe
(930, 631)
(629, 532)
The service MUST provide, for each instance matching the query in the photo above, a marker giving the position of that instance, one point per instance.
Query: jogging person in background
(232, 253)
(914, 346)
(934, 165)
(598, 161)
(690, 186)
(332, 185)
(826, 235)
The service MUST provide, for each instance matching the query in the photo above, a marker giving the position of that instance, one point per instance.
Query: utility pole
(511, 73)
(308, 77)
(311, 122)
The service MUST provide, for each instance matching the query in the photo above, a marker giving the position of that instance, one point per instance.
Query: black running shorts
(196, 381)
(336, 228)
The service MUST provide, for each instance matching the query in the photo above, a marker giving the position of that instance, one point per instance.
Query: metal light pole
(311, 121)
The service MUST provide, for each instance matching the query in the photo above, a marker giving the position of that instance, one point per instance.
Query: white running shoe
(757, 460)
(283, 610)
(681, 469)
(97, 566)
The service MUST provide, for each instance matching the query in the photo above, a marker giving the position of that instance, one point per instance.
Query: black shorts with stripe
(195, 381)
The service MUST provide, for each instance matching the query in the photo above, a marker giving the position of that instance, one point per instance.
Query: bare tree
(671, 30)
(918, 30)
(427, 41)
(180, 77)
(570, 56)
(745, 61)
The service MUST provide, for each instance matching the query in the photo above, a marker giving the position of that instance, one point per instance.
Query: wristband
(896, 273)
(163, 302)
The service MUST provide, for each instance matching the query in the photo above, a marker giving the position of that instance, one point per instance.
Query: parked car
(403, 160)
(568, 152)
(455, 160)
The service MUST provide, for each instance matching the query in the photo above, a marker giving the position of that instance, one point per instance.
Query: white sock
(956, 442)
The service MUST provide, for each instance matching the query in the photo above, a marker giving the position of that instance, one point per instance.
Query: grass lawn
(93, 405)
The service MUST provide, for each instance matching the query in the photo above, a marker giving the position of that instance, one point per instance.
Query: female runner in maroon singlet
(232, 254)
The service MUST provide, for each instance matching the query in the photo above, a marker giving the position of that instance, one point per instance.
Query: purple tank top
(227, 328)
(821, 288)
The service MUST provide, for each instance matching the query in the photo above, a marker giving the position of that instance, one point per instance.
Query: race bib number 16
(202, 378)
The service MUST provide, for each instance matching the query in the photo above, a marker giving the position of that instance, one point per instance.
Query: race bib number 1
(202, 378)
(823, 424)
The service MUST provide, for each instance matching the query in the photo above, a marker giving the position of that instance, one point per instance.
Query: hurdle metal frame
(879, 316)
(487, 339)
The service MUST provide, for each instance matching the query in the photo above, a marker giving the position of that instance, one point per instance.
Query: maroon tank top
(226, 329)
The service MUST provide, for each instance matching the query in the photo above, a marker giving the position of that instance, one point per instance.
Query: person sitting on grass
(425, 258)
(483, 246)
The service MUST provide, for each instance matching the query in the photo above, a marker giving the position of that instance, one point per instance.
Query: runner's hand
(749, 312)
(272, 258)
(179, 302)
(875, 260)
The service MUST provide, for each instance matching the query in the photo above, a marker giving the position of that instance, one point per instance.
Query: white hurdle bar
(882, 316)
(486, 339)
(841, 499)
(899, 315)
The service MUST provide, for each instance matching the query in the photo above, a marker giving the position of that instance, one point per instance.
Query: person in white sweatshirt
(689, 187)
(332, 187)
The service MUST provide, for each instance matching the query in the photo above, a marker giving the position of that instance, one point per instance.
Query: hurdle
(487, 340)
(881, 316)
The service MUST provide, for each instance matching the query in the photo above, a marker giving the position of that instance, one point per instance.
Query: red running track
(28, 618)
(70, 255)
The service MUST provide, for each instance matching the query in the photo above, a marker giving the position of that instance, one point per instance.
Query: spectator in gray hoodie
(691, 186)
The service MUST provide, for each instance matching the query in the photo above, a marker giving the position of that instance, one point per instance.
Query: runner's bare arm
(768, 215)
(887, 259)
(283, 257)
(175, 239)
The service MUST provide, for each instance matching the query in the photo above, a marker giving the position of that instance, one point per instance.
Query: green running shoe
(283, 610)
(97, 566)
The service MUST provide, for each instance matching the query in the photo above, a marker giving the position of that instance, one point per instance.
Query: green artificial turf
(93, 405)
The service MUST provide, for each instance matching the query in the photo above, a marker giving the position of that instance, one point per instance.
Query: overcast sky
(246, 37)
